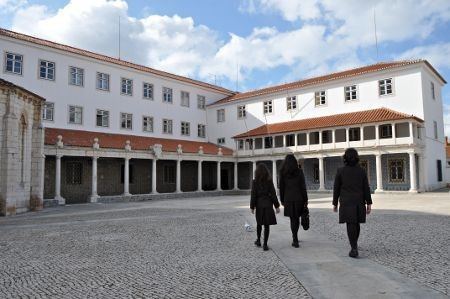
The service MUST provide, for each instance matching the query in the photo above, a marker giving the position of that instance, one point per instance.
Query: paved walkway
(198, 248)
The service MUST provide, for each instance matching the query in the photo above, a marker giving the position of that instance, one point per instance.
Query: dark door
(439, 170)
(224, 181)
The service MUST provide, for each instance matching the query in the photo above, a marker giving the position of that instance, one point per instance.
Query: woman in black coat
(351, 189)
(293, 195)
(263, 199)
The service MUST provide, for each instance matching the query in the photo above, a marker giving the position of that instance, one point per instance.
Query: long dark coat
(351, 188)
(263, 199)
(293, 193)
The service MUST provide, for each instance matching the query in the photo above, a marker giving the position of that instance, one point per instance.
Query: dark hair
(351, 157)
(262, 173)
(290, 166)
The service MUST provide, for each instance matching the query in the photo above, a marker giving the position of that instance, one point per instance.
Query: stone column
(379, 173)
(377, 135)
(361, 135)
(235, 176)
(126, 177)
(333, 136)
(154, 191)
(253, 169)
(58, 196)
(321, 174)
(274, 173)
(412, 173)
(394, 134)
(178, 181)
(219, 187)
(411, 132)
(199, 175)
(94, 194)
(347, 137)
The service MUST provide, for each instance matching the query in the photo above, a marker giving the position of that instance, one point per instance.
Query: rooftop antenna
(375, 27)
(119, 37)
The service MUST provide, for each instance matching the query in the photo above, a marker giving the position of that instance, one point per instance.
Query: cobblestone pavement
(414, 244)
(137, 251)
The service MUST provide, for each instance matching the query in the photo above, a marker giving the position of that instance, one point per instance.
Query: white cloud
(437, 54)
(447, 120)
(7, 6)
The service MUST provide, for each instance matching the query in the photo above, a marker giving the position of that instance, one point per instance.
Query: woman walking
(263, 199)
(351, 189)
(293, 195)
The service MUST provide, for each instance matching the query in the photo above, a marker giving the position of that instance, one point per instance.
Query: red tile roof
(12, 85)
(73, 50)
(326, 78)
(345, 119)
(118, 141)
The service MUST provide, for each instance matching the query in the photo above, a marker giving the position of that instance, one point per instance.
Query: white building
(104, 116)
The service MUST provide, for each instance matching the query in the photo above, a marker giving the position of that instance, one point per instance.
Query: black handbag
(305, 218)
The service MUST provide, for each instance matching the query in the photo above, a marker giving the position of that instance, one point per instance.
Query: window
(249, 143)
(201, 132)
(351, 93)
(396, 171)
(268, 142)
(320, 98)
(448, 163)
(385, 131)
(130, 173)
(102, 81)
(435, 127)
(241, 111)
(201, 102)
(354, 134)
(290, 140)
(46, 70)
(220, 115)
(126, 121)
(48, 111)
(75, 115)
(76, 76)
(221, 140)
(268, 107)
(241, 144)
(74, 173)
(13, 63)
(291, 103)
(147, 91)
(385, 87)
(439, 170)
(126, 86)
(185, 128)
(147, 124)
(316, 173)
(102, 118)
(185, 98)
(167, 126)
(167, 95)
(433, 95)
(169, 174)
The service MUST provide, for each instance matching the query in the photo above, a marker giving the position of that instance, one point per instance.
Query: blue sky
(265, 42)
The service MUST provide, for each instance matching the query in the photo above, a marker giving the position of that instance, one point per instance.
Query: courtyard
(198, 248)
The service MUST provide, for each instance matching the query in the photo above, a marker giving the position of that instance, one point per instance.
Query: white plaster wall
(62, 94)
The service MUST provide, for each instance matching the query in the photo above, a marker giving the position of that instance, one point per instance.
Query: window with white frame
(185, 98)
(385, 131)
(167, 126)
(385, 87)
(201, 102)
(396, 171)
(435, 127)
(147, 91)
(201, 131)
(102, 81)
(126, 121)
(147, 124)
(291, 103)
(351, 93)
(76, 76)
(167, 95)
(433, 95)
(48, 111)
(13, 63)
(102, 118)
(221, 140)
(220, 115)
(354, 134)
(75, 115)
(241, 144)
(241, 111)
(320, 98)
(268, 107)
(46, 70)
(185, 128)
(126, 86)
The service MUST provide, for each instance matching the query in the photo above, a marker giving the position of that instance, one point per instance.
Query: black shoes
(265, 247)
(258, 243)
(353, 253)
(295, 244)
